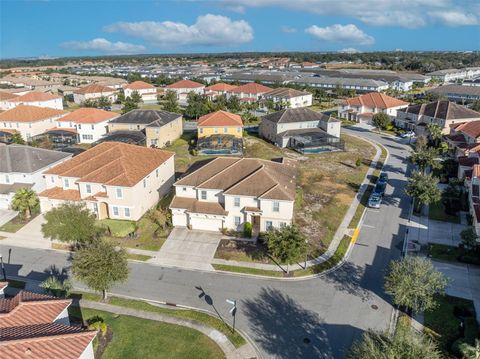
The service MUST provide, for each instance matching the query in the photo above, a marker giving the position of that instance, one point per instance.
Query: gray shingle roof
(301, 114)
(26, 159)
(147, 117)
(442, 109)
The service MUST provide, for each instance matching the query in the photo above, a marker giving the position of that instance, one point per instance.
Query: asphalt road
(314, 318)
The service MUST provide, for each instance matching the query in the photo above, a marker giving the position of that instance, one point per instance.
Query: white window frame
(115, 211)
(236, 202)
(276, 206)
(237, 220)
(202, 193)
(126, 212)
(119, 193)
(88, 188)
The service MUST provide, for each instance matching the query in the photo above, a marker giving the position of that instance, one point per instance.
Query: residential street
(312, 318)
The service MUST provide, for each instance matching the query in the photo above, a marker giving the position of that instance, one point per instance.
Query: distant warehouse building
(331, 83)
(458, 93)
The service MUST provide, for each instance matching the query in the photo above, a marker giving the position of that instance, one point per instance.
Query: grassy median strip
(138, 257)
(236, 339)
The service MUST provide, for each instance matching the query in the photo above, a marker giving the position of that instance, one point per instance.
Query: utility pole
(233, 311)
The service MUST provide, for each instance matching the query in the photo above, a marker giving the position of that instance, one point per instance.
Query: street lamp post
(306, 254)
(3, 268)
(233, 311)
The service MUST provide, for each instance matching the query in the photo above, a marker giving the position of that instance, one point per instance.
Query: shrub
(194, 152)
(97, 323)
(247, 229)
(358, 162)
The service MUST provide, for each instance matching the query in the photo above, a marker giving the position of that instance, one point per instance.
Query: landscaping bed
(15, 224)
(453, 254)
(243, 251)
(443, 322)
(436, 211)
(133, 337)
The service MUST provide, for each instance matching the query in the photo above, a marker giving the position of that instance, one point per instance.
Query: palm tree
(25, 200)
(435, 132)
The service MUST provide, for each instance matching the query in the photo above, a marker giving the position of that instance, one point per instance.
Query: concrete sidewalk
(425, 231)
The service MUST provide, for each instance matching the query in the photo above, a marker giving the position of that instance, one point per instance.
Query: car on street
(383, 178)
(407, 134)
(375, 200)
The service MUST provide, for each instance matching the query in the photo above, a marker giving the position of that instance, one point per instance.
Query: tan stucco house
(227, 192)
(160, 127)
(115, 180)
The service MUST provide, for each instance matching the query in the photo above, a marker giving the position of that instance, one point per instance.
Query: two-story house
(362, 108)
(115, 180)
(249, 92)
(443, 113)
(474, 197)
(220, 132)
(36, 98)
(302, 129)
(90, 124)
(94, 92)
(23, 167)
(147, 91)
(227, 192)
(289, 98)
(29, 121)
(160, 127)
(183, 87)
(218, 89)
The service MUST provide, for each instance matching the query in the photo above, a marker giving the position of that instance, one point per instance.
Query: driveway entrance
(6, 215)
(190, 249)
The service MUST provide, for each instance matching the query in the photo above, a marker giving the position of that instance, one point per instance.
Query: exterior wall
(268, 130)
(179, 91)
(206, 131)
(56, 103)
(160, 136)
(332, 128)
(63, 318)
(284, 215)
(410, 121)
(88, 353)
(293, 102)
(125, 127)
(185, 191)
(30, 129)
(91, 132)
(146, 94)
(78, 98)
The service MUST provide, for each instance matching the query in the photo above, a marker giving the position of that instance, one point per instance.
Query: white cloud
(349, 50)
(349, 34)
(404, 13)
(103, 45)
(288, 29)
(208, 30)
(454, 18)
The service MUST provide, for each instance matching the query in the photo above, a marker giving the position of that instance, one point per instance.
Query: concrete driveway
(6, 215)
(189, 249)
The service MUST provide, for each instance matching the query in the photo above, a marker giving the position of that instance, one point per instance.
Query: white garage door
(206, 224)
(179, 219)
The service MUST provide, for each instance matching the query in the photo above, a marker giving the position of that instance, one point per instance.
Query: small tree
(469, 238)
(286, 244)
(104, 102)
(136, 97)
(170, 102)
(100, 265)
(413, 282)
(17, 138)
(71, 223)
(56, 287)
(381, 120)
(25, 201)
(476, 106)
(423, 188)
(470, 351)
(129, 105)
(233, 104)
(435, 132)
(196, 106)
(424, 157)
(120, 96)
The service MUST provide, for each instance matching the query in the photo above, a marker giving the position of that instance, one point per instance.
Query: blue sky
(83, 27)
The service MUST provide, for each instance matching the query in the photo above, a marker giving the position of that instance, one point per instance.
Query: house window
(236, 202)
(225, 130)
(52, 179)
(144, 183)
(268, 225)
(79, 126)
(201, 130)
(203, 195)
(93, 127)
(216, 130)
(7, 179)
(153, 142)
(237, 220)
(119, 193)
(238, 129)
(276, 206)
(283, 224)
(89, 188)
(127, 212)
(65, 182)
(184, 189)
(156, 172)
(115, 211)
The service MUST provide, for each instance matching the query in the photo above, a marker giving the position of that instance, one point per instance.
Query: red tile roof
(44, 341)
(139, 85)
(220, 87)
(471, 129)
(89, 115)
(26, 113)
(60, 193)
(251, 87)
(94, 88)
(185, 84)
(35, 96)
(220, 118)
(7, 96)
(375, 100)
(113, 163)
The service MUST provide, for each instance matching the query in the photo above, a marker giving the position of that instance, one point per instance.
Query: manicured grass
(248, 270)
(12, 226)
(436, 211)
(242, 251)
(141, 338)
(183, 158)
(138, 257)
(150, 106)
(453, 254)
(236, 339)
(445, 324)
(118, 228)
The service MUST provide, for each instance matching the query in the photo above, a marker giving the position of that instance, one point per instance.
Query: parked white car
(408, 134)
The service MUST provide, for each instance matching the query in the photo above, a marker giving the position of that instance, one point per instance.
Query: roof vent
(28, 351)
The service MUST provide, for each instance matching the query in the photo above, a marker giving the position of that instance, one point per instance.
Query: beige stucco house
(227, 192)
(160, 127)
(94, 92)
(115, 180)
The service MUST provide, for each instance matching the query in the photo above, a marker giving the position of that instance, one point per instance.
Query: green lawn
(444, 324)
(436, 211)
(138, 257)
(13, 225)
(150, 106)
(140, 338)
(242, 251)
(236, 339)
(183, 158)
(118, 228)
(453, 254)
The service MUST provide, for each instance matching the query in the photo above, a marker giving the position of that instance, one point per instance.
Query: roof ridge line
(215, 175)
(262, 167)
(215, 159)
(95, 156)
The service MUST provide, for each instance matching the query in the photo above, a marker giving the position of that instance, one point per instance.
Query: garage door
(179, 219)
(206, 224)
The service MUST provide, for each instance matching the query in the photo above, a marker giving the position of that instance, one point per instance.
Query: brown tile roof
(375, 100)
(471, 129)
(60, 193)
(251, 209)
(220, 118)
(220, 87)
(113, 163)
(94, 88)
(7, 96)
(468, 161)
(26, 113)
(193, 205)
(35, 96)
(185, 84)
(44, 341)
(139, 85)
(286, 92)
(245, 176)
(30, 308)
(251, 87)
(89, 115)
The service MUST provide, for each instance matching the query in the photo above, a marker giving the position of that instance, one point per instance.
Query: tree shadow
(348, 278)
(284, 329)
